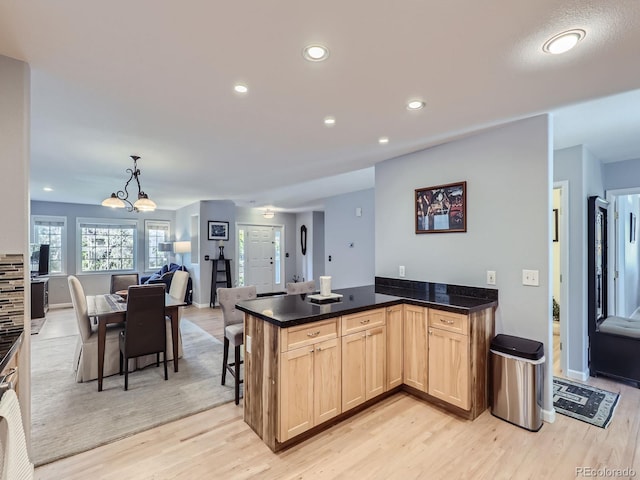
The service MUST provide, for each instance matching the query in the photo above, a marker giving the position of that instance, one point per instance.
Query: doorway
(624, 257)
(260, 262)
(560, 277)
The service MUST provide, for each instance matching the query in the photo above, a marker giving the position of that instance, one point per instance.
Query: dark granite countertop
(9, 343)
(290, 310)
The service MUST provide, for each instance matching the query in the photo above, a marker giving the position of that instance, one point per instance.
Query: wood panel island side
(308, 366)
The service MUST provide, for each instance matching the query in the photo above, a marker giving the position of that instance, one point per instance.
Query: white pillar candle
(325, 286)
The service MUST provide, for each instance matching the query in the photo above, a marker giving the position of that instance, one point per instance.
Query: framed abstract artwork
(218, 230)
(441, 209)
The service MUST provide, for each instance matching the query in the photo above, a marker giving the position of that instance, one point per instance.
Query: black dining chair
(122, 281)
(144, 331)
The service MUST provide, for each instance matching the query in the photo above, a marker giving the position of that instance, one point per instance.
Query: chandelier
(121, 198)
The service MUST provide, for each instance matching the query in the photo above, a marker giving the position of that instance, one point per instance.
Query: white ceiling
(155, 78)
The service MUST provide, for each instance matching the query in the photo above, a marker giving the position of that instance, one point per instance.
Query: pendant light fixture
(120, 199)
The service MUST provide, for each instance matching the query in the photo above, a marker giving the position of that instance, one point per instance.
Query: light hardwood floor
(401, 437)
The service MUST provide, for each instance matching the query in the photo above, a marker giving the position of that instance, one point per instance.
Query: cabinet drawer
(453, 322)
(363, 320)
(301, 335)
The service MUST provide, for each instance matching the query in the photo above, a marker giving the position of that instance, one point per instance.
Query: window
(278, 265)
(241, 233)
(155, 232)
(52, 231)
(107, 245)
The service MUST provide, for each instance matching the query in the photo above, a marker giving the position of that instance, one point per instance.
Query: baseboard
(577, 375)
(549, 416)
(200, 305)
(60, 305)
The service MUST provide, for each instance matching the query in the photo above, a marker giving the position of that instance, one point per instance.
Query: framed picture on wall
(218, 230)
(441, 209)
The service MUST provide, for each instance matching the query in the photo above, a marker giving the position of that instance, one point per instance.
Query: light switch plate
(401, 270)
(491, 277)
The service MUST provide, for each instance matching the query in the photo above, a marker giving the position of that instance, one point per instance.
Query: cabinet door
(353, 370)
(326, 378)
(394, 346)
(415, 347)
(296, 392)
(376, 360)
(449, 367)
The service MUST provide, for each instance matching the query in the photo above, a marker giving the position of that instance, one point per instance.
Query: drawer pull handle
(448, 322)
(313, 334)
(365, 321)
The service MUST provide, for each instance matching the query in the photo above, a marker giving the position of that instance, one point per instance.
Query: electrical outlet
(491, 277)
(248, 344)
(530, 278)
(401, 270)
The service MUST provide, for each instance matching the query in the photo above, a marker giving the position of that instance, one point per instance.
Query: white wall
(507, 170)
(619, 175)
(218, 210)
(351, 266)
(318, 246)
(583, 172)
(304, 263)
(14, 192)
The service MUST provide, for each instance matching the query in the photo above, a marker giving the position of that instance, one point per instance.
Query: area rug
(70, 417)
(584, 402)
(37, 324)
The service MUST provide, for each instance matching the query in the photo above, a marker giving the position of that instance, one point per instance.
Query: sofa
(165, 275)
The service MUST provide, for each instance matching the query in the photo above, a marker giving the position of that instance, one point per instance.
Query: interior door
(260, 253)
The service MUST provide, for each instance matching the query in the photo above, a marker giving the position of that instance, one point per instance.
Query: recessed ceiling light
(315, 53)
(415, 105)
(48, 189)
(329, 121)
(563, 42)
(240, 88)
(383, 140)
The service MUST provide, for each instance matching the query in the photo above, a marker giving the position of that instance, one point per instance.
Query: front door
(260, 253)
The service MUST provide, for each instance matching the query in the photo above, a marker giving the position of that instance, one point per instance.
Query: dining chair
(122, 281)
(145, 328)
(85, 362)
(301, 287)
(233, 330)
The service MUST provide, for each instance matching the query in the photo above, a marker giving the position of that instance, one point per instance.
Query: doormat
(584, 402)
(36, 325)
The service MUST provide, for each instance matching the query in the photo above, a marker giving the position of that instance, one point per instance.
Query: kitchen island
(308, 365)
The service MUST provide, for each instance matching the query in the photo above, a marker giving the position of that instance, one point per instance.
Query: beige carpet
(70, 417)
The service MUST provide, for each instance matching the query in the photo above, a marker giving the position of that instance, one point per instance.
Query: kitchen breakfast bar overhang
(308, 366)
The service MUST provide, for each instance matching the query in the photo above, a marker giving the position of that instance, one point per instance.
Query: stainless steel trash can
(517, 372)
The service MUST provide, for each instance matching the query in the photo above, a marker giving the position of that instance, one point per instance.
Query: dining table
(112, 309)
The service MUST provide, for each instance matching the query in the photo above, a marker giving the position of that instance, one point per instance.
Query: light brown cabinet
(415, 347)
(395, 342)
(363, 357)
(449, 358)
(309, 387)
(300, 377)
(449, 367)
